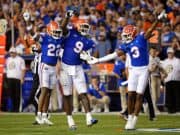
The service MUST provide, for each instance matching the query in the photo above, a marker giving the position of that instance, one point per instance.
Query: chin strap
(108, 57)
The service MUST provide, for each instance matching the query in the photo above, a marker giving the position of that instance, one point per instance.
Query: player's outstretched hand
(85, 56)
(93, 60)
(69, 13)
(162, 15)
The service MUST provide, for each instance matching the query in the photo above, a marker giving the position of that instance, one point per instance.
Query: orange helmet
(54, 30)
(82, 27)
(128, 33)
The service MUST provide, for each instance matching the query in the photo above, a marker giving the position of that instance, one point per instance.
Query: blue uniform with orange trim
(50, 49)
(137, 50)
(74, 43)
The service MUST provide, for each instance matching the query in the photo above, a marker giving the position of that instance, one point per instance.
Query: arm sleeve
(108, 57)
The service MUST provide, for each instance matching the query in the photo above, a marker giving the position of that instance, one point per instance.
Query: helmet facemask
(128, 34)
(126, 38)
(56, 33)
(84, 29)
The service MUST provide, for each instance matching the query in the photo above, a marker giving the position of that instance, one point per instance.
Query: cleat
(129, 124)
(47, 121)
(71, 123)
(35, 123)
(92, 122)
(38, 121)
(73, 127)
(124, 115)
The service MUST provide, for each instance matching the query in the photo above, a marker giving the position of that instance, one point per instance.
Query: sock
(39, 114)
(44, 115)
(69, 117)
(88, 116)
(130, 117)
(135, 117)
(70, 120)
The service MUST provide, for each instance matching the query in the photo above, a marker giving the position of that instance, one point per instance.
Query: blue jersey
(50, 48)
(94, 92)
(119, 68)
(137, 50)
(74, 43)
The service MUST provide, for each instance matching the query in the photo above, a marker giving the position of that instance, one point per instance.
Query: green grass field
(109, 124)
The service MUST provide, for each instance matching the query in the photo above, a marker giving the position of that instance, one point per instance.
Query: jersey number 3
(135, 52)
(78, 47)
(53, 50)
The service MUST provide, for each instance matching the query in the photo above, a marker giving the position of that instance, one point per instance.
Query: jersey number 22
(53, 50)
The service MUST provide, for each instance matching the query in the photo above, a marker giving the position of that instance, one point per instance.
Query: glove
(93, 60)
(69, 13)
(34, 48)
(162, 15)
(85, 56)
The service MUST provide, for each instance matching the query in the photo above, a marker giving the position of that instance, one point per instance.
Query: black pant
(35, 93)
(148, 98)
(173, 96)
(14, 88)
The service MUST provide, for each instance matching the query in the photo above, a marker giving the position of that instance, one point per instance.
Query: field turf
(109, 124)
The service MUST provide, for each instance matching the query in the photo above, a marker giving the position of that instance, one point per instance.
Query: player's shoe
(91, 122)
(124, 115)
(38, 121)
(47, 121)
(72, 125)
(129, 124)
(134, 121)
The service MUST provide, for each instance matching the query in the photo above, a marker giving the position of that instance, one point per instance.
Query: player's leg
(75, 101)
(80, 85)
(45, 108)
(67, 86)
(40, 105)
(142, 83)
(51, 86)
(123, 98)
(132, 85)
(44, 77)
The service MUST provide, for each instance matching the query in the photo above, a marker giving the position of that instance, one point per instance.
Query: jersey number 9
(78, 47)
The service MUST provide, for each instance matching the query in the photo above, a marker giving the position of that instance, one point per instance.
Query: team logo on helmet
(54, 30)
(128, 33)
(82, 27)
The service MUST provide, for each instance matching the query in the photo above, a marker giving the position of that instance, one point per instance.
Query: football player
(50, 44)
(72, 74)
(135, 44)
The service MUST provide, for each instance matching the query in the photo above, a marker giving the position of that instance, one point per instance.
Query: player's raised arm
(148, 33)
(65, 21)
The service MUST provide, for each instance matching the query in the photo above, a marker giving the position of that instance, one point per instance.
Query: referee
(35, 92)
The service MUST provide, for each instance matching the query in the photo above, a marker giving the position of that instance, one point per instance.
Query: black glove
(69, 13)
(35, 49)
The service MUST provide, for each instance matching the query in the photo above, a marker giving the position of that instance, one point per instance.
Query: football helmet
(54, 30)
(128, 33)
(82, 27)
